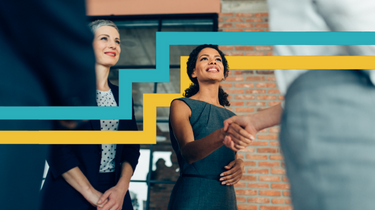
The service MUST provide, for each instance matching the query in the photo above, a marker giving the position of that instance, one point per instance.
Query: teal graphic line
(161, 73)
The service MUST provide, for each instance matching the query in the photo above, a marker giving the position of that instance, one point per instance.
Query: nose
(212, 61)
(112, 44)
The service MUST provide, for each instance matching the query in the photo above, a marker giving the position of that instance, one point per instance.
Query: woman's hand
(236, 137)
(112, 199)
(234, 173)
(92, 196)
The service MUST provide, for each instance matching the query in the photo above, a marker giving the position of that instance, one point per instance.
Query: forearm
(126, 174)
(201, 148)
(78, 181)
(267, 118)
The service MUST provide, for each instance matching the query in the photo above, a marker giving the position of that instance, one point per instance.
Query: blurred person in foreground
(208, 169)
(327, 123)
(45, 54)
(95, 176)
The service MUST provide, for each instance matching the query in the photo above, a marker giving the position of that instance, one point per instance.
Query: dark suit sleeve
(131, 151)
(61, 159)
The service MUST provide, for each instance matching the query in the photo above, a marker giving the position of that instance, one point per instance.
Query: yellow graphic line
(152, 101)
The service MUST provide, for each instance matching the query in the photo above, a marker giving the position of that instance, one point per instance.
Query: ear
(193, 75)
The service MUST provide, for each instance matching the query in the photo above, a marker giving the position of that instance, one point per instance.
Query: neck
(102, 73)
(208, 93)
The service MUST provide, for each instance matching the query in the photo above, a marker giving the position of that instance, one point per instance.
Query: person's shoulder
(179, 106)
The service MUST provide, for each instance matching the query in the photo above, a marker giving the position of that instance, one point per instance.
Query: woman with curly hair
(208, 169)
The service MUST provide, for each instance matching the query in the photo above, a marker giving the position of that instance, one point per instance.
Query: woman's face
(106, 46)
(209, 66)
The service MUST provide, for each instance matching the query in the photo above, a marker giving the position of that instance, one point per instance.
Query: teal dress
(198, 186)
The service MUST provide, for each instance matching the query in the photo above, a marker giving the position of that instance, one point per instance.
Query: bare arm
(116, 194)
(194, 150)
(255, 122)
(78, 181)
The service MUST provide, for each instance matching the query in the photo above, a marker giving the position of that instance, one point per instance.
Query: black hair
(194, 88)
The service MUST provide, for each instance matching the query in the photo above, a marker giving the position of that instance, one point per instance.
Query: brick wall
(264, 185)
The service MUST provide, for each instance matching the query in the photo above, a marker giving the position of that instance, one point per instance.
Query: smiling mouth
(214, 70)
(110, 54)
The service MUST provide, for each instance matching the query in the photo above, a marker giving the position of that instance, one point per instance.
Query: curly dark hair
(194, 88)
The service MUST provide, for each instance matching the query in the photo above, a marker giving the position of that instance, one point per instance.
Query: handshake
(239, 131)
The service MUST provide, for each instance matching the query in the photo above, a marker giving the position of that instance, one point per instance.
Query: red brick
(235, 78)
(254, 20)
(273, 90)
(255, 90)
(288, 201)
(281, 97)
(233, 30)
(221, 20)
(251, 85)
(248, 149)
(276, 157)
(265, 71)
(244, 72)
(265, 14)
(266, 84)
(263, 47)
(274, 143)
(249, 178)
(285, 179)
(266, 97)
(258, 200)
(278, 171)
(267, 150)
(257, 171)
(249, 163)
(234, 20)
(247, 207)
(240, 184)
(245, 110)
(255, 78)
(258, 185)
(269, 192)
(255, 103)
(271, 78)
(254, 30)
(246, 97)
(225, 47)
(256, 157)
(245, 48)
(236, 103)
(225, 84)
(269, 53)
(246, 192)
(234, 53)
(282, 164)
(234, 91)
(254, 54)
(278, 200)
(226, 14)
(286, 193)
(259, 143)
(269, 178)
(243, 25)
(273, 103)
(280, 186)
(239, 155)
(274, 130)
(225, 25)
(269, 164)
(270, 208)
(269, 136)
(261, 25)
(244, 15)
(241, 199)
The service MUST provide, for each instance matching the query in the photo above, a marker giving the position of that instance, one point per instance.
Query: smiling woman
(95, 176)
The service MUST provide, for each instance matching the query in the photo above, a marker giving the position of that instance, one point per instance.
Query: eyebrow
(107, 36)
(208, 55)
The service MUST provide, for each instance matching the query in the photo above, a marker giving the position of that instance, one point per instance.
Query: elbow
(189, 158)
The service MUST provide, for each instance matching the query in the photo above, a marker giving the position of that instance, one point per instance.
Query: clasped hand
(238, 133)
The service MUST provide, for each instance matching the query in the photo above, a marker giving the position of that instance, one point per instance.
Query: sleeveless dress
(198, 187)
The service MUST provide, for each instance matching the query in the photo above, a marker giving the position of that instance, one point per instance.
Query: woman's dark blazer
(57, 194)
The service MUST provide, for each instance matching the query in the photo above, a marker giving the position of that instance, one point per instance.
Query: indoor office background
(264, 185)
